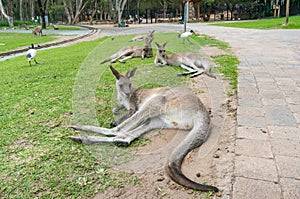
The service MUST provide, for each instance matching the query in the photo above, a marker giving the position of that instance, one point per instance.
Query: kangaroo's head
(148, 47)
(151, 33)
(161, 49)
(123, 82)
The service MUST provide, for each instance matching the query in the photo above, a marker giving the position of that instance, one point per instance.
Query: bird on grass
(31, 54)
(186, 35)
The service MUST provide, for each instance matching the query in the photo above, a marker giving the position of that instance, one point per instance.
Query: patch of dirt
(212, 163)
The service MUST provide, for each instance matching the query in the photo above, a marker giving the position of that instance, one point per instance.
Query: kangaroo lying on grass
(156, 108)
(189, 61)
(143, 37)
(129, 52)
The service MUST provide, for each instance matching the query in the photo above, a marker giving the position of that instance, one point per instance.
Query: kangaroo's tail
(194, 139)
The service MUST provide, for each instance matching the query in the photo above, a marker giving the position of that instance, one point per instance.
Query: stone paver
(267, 152)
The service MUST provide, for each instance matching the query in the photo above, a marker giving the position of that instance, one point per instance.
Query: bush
(17, 23)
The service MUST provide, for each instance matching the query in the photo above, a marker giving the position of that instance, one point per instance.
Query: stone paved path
(267, 151)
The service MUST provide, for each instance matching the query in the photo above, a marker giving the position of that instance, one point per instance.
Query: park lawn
(13, 41)
(37, 160)
(277, 23)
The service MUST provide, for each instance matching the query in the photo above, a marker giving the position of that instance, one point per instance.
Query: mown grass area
(12, 41)
(37, 160)
(276, 23)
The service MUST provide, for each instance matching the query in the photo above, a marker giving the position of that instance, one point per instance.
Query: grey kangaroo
(129, 52)
(37, 31)
(156, 108)
(189, 61)
(143, 37)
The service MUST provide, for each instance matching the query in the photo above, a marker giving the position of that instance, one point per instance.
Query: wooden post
(287, 12)
(186, 14)
(198, 11)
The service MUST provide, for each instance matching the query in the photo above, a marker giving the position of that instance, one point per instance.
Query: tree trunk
(120, 4)
(79, 8)
(21, 10)
(32, 14)
(165, 7)
(69, 17)
(10, 19)
(94, 12)
(287, 11)
(42, 12)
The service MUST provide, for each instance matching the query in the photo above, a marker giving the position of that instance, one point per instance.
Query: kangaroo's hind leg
(125, 58)
(95, 129)
(187, 73)
(122, 138)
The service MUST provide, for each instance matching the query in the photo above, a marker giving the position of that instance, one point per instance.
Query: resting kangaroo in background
(156, 108)
(189, 61)
(143, 37)
(129, 52)
(38, 31)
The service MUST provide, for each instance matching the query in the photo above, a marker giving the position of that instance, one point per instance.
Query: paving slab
(268, 113)
(252, 189)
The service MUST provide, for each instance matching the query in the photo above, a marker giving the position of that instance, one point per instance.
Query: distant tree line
(73, 11)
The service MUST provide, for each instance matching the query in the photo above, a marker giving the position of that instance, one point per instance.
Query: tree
(42, 9)
(9, 19)
(73, 9)
(120, 4)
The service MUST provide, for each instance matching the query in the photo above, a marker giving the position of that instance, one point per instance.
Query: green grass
(37, 160)
(13, 41)
(277, 23)
(228, 67)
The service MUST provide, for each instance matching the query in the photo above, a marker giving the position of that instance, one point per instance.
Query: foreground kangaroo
(189, 61)
(129, 52)
(156, 108)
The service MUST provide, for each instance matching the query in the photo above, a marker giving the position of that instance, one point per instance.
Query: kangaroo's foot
(187, 73)
(95, 129)
(97, 139)
(113, 124)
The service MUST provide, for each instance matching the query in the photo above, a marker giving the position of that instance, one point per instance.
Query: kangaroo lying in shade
(189, 61)
(129, 52)
(156, 108)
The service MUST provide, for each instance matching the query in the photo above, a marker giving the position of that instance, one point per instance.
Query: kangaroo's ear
(156, 44)
(115, 72)
(164, 45)
(130, 73)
